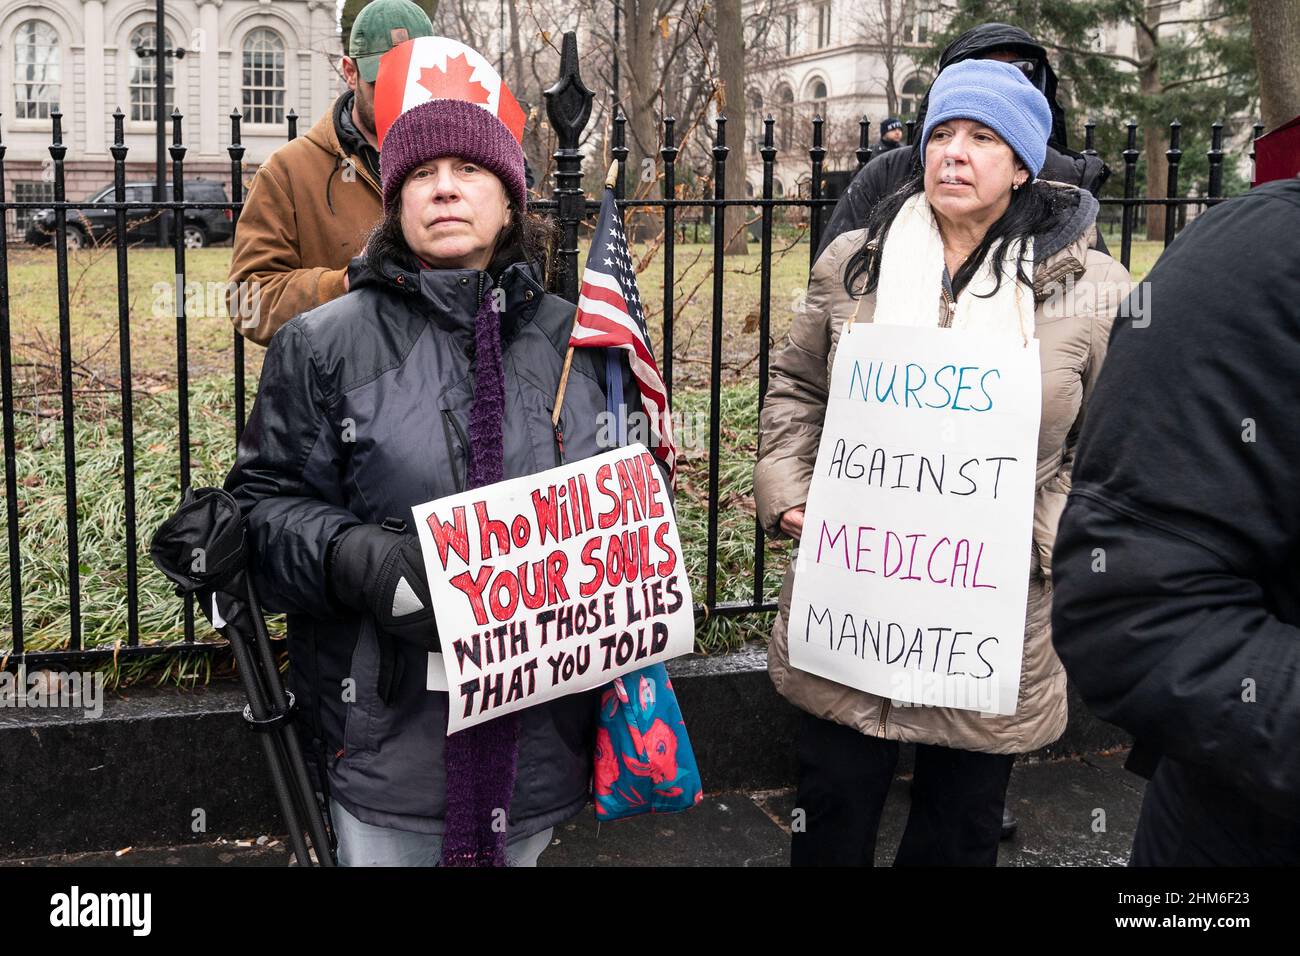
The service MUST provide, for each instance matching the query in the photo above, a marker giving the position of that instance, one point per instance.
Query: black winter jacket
(1177, 562)
(886, 172)
(362, 412)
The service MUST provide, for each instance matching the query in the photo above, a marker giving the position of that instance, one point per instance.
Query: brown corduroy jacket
(307, 214)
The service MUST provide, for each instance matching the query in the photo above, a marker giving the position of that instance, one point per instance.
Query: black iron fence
(569, 104)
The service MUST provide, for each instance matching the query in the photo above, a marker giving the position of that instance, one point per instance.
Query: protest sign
(555, 583)
(913, 564)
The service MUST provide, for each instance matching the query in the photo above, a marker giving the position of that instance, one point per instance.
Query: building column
(211, 123)
(320, 36)
(93, 99)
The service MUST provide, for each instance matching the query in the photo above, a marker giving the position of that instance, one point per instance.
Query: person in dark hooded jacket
(436, 373)
(1177, 611)
(885, 173)
(891, 136)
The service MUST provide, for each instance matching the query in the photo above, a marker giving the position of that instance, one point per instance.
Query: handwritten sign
(555, 583)
(913, 566)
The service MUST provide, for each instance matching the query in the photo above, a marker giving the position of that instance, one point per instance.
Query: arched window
(785, 115)
(913, 91)
(144, 62)
(819, 90)
(777, 189)
(264, 81)
(36, 70)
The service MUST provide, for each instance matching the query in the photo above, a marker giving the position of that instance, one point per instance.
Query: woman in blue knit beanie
(974, 243)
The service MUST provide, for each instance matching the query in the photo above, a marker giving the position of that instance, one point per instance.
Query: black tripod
(201, 549)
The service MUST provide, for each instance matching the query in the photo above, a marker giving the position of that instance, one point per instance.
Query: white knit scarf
(911, 281)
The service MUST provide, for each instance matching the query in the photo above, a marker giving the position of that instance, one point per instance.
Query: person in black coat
(891, 136)
(1177, 561)
(886, 172)
(436, 373)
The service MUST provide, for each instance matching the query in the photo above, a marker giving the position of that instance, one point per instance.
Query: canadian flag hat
(435, 96)
(441, 68)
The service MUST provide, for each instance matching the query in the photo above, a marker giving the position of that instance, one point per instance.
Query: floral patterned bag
(644, 761)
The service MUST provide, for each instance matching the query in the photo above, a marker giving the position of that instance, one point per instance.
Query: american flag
(610, 316)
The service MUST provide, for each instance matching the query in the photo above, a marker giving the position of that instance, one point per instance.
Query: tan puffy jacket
(308, 212)
(1077, 291)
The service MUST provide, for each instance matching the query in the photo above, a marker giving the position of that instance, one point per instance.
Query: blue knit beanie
(997, 95)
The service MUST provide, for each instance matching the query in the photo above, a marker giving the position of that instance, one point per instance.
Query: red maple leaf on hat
(454, 82)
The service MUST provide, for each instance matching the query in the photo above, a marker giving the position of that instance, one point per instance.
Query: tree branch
(1108, 56)
(1197, 79)
(1221, 16)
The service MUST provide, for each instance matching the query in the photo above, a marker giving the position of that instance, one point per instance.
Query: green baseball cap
(380, 26)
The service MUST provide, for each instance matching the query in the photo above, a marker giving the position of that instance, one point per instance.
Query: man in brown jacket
(315, 199)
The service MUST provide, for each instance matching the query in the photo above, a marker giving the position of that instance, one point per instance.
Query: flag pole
(611, 177)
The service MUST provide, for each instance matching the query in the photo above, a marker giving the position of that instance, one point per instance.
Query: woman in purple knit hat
(436, 373)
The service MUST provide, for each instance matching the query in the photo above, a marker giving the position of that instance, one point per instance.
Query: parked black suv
(202, 226)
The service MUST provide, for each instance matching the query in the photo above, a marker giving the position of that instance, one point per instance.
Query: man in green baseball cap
(380, 26)
(315, 199)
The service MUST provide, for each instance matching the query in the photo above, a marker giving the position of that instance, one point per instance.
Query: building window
(913, 91)
(785, 116)
(264, 82)
(791, 31)
(819, 90)
(143, 76)
(823, 25)
(916, 24)
(36, 70)
(754, 121)
(30, 192)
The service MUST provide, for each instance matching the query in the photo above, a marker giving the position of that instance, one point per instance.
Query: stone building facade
(82, 57)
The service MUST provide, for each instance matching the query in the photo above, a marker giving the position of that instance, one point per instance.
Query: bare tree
(1275, 35)
(730, 97)
(1165, 62)
(885, 25)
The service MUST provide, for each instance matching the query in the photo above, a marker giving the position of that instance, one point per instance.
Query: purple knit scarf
(481, 760)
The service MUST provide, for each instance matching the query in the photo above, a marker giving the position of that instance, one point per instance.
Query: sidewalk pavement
(1073, 812)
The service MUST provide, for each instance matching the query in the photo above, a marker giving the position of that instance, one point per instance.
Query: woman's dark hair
(1031, 211)
(528, 238)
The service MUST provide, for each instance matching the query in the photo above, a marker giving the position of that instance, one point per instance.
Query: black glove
(375, 569)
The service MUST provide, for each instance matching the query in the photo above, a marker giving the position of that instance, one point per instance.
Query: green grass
(94, 311)
(92, 277)
(1142, 256)
(98, 437)
(93, 316)
(101, 513)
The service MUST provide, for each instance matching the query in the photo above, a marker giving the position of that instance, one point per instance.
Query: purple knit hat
(451, 128)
